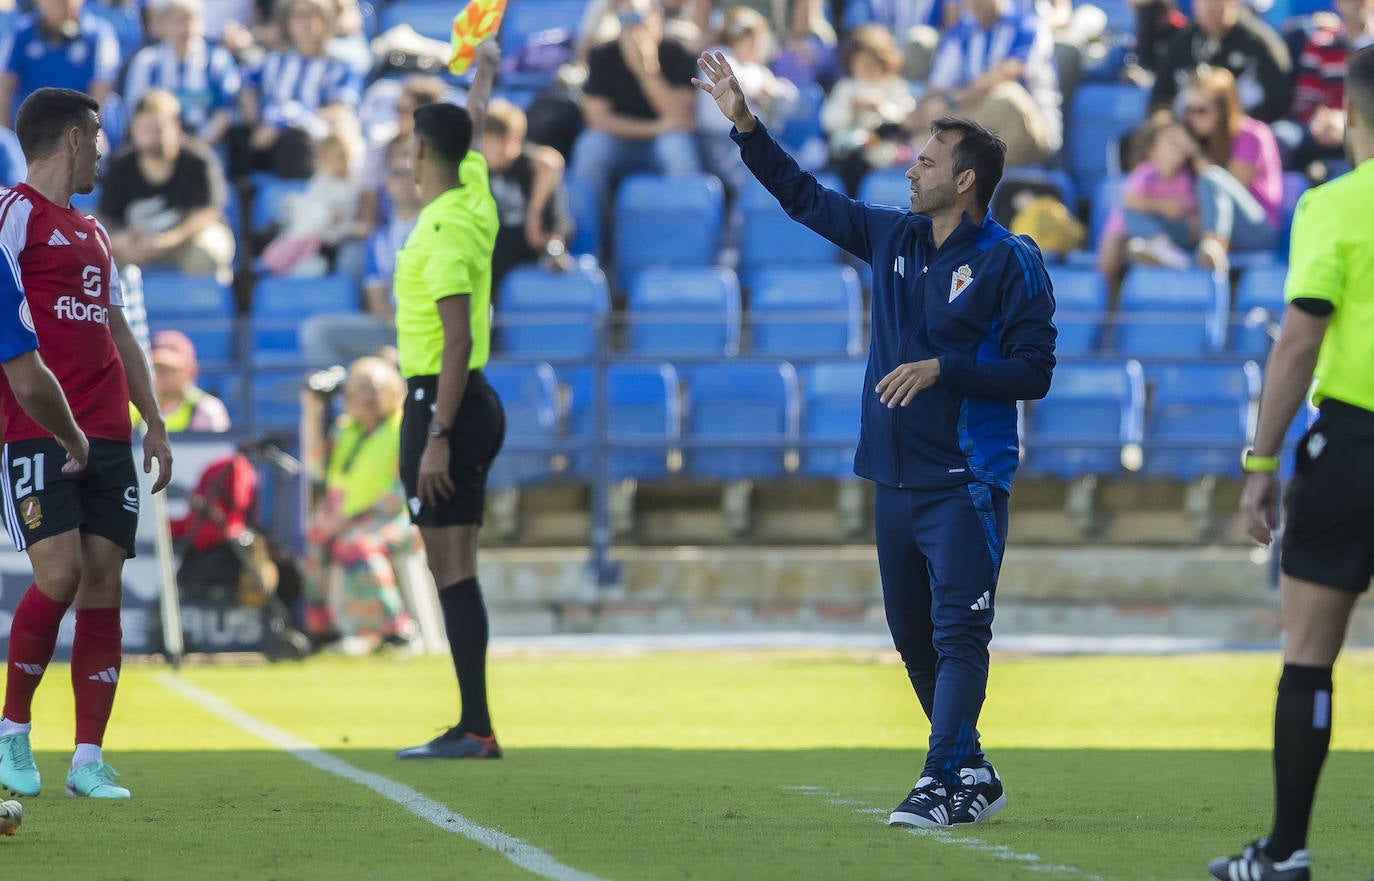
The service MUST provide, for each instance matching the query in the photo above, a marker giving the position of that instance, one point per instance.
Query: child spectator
(320, 218)
(870, 100)
(527, 184)
(1157, 221)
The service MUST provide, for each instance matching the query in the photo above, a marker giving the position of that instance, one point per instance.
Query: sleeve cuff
(740, 137)
(950, 368)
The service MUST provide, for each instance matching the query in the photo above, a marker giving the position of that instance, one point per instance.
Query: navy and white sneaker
(1253, 864)
(979, 796)
(927, 807)
(454, 743)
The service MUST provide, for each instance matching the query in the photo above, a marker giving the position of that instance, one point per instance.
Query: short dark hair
(445, 128)
(47, 115)
(979, 149)
(1359, 80)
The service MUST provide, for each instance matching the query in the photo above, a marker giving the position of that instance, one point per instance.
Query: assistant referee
(1327, 554)
(452, 425)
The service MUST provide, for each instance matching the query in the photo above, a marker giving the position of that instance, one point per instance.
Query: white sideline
(1031, 862)
(521, 853)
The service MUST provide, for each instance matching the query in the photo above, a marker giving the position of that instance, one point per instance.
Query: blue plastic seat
(524, 18)
(169, 294)
(1106, 195)
(1259, 302)
(643, 404)
(673, 312)
(1091, 413)
(744, 402)
(831, 396)
(214, 339)
(1101, 114)
(269, 193)
(430, 18)
(276, 399)
(1170, 313)
(529, 395)
(817, 311)
(551, 314)
(302, 297)
(667, 221)
(804, 123)
(769, 237)
(1200, 417)
(1080, 296)
(886, 186)
(1294, 185)
(585, 215)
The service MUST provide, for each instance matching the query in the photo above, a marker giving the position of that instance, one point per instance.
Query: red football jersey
(59, 269)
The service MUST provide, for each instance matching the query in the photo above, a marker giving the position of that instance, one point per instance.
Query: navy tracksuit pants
(939, 552)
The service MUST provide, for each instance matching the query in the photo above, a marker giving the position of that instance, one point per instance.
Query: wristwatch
(439, 429)
(1252, 464)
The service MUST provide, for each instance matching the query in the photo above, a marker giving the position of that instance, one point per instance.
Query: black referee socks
(465, 619)
(1302, 734)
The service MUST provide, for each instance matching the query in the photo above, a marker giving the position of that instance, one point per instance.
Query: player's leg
(449, 532)
(905, 579)
(42, 514)
(963, 533)
(109, 499)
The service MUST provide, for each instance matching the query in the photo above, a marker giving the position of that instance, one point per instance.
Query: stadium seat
(807, 312)
(529, 395)
(667, 221)
(675, 312)
(746, 403)
(1259, 301)
(1200, 416)
(276, 399)
(644, 404)
(804, 123)
(430, 18)
(269, 193)
(831, 396)
(585, 217)
(1092, 412)
(168, 294)
(551, 314)
(1102, 113)
(886, 186)
(1080, 296)
(1170, 313)
(1120, 15)
(212, 337)
(280, 304)
(769, 237)
(524, 18)
(1294, 185)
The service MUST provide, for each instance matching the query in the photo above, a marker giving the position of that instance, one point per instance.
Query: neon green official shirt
(1332, 259)
(447, 253)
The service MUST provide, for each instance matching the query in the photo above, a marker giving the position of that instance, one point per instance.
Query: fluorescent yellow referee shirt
(447, 253)
(1332, 259)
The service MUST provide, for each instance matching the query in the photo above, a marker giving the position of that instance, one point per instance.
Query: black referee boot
(1253, 864)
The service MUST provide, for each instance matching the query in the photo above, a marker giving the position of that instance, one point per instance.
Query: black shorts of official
(40, 501)
(476, 438)
(1328, 533)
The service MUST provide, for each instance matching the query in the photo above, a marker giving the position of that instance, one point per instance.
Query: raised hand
(721, 85)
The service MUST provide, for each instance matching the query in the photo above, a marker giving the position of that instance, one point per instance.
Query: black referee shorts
(477, 435)
(1328, 533)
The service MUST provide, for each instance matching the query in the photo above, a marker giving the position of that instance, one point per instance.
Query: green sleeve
(449, 269)
(1316, 268)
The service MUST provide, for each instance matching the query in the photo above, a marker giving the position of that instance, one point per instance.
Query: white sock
(85, 754)
(7, 727)
(980, 775)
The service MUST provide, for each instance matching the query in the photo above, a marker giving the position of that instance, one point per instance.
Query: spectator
(527, 184)
(639, 104)
(392, 116)
(125, 18)
(1240, 175)
(226, 21)
(1157, 221)
(361, 524)
(184, 406)
(996, 66)
(861, 115)
(57, 46)
(1315, 127)
(898, 17)
(202, 76)
(290, 88)
(807, 56)
(319, 219)
(1227, 34)
(746, 41)
(163, 199)
(1156, 24)
(335, 339)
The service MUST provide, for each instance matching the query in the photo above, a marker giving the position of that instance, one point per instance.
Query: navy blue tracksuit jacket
(982, 304)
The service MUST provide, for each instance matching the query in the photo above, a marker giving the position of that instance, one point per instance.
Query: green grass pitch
(691, 765)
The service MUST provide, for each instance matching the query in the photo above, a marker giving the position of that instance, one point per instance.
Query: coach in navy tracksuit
(962, 330)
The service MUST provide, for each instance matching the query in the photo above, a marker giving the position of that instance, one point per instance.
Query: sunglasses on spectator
(1197, 110)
